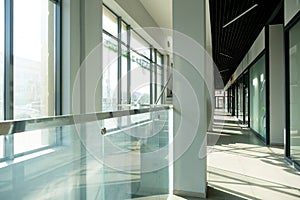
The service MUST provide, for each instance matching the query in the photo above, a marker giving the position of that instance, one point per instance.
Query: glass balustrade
(114, 155)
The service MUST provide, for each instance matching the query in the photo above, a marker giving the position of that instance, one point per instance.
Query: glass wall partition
(258, 97)
(293, 135)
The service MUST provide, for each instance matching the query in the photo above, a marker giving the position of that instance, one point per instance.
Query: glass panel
(32, 140)
(125, 76)
(33, 59)
(1, 146)
(110, 22)
(1, 58)
(241, 101)
(294, 59)
(258, 97)
(110, 73)
(159, 83)
(139, 44)
(136, 157)
(131, 160)
(140, 79)
(124, 33)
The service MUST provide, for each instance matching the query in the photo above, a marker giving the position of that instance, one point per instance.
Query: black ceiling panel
(231, 43)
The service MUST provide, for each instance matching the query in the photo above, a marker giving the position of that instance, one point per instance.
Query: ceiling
(160, 10)
(231, 43)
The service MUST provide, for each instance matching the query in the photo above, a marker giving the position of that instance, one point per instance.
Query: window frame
(8, 99)
(287, 149)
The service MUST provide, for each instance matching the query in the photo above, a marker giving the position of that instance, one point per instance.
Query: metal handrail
(17, 126)
(163, 90)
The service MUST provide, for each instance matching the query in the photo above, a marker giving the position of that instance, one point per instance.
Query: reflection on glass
(31, 140)
(124, 76)
(124, 33)
(294, 58)
(258, 97)
(110, 73)
(240, 101)
(129, 161)
(139, 44)
(1, 146)
(140, 79)
(1, 58)
(109, 22)
(33, 59)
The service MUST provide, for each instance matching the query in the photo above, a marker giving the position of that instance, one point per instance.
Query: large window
(33, 58)
(258, 97)
(131, 74)
(32, 26)
(294, 88)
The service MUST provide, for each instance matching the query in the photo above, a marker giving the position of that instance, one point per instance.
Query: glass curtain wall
(140, 72)
(33, 58)
(137, 75)
(110, 60)
(294, 88)
(258, 97)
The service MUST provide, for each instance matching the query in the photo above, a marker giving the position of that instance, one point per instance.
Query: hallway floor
(240, 166)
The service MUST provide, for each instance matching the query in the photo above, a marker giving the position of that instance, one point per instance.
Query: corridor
(241, 165)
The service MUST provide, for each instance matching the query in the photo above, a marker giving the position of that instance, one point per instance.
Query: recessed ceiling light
(223, 54)
(255, 5)
(224, 70)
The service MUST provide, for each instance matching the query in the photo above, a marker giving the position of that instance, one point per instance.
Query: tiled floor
(240, 166)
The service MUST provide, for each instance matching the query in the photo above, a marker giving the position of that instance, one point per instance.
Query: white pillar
(276, 74)
(190, 114)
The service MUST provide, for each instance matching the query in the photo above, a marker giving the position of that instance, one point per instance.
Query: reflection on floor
(240, 164)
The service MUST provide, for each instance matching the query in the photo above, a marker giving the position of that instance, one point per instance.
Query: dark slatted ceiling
(230, 44)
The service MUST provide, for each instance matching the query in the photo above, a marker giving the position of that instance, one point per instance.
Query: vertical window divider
(8, 76)
(128, 66)
(151, 75)
(155, 75)
(162, 77)
(58, 65)
(8, 61)
(119, 61)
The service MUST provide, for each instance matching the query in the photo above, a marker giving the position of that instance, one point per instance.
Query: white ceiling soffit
(160, 10)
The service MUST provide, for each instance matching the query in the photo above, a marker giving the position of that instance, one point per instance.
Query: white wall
(257, 47)
(189, 97)
(276, 72)
(291, 7)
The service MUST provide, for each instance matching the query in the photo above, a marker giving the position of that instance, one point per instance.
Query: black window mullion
(8, 75)
(155, 75)
(58, 68)
(151, 77)
(8, 61)
(128, 66)
(119, 60)
(162, 84)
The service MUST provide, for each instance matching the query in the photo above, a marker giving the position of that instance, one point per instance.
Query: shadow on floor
(216, 194)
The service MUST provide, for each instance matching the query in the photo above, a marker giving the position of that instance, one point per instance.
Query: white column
(189, 90)
(276, 72)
